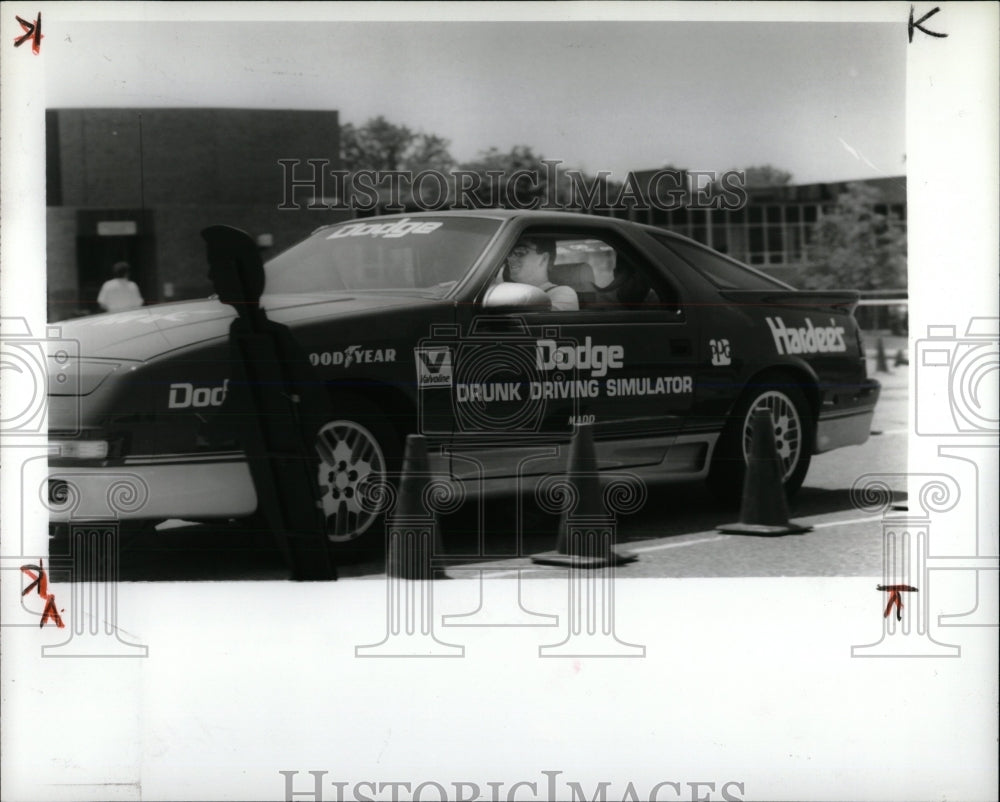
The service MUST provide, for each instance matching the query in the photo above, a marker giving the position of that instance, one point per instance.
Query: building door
(105, 238)
(95, 256)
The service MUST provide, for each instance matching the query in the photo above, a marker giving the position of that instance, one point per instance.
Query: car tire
(794, 431)
(356, 431)
(355, 447)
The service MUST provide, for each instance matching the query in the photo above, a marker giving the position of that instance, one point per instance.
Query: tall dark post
(276, 405)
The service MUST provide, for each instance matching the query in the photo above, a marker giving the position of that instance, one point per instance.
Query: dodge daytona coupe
(415, 324)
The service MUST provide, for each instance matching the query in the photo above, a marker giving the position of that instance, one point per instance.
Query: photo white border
(726, 695)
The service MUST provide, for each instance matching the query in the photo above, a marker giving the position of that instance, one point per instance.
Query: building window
(767, 233)
(775, 239)
(720, 237)
(755, 245)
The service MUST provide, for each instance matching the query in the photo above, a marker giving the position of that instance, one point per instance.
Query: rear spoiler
(843, 300)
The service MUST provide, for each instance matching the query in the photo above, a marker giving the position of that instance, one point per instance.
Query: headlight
(77, 377)
(78, 449)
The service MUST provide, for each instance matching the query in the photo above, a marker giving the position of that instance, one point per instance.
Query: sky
(824, 101)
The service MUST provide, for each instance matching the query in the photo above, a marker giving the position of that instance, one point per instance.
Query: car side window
(601, 273)
(721, 271)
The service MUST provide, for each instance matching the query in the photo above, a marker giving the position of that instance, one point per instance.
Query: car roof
(498, 214)
(535, 215)
(555, 218)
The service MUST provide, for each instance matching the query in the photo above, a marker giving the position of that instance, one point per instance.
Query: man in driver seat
(528, 263)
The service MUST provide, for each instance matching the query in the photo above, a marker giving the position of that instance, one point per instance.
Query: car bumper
(151, 491)
(849, 423)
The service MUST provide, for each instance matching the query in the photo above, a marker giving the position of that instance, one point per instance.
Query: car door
(623, 360)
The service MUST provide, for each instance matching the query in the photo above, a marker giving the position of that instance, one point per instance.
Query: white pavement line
(512, 572)
(677, 545)
(662, 546)
(672, 545)
(827, 524)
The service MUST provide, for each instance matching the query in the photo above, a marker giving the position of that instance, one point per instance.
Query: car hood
(142, 334)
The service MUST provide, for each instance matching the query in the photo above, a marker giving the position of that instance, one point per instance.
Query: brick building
(140, 184)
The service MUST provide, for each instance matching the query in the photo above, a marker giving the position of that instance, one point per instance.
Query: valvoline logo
(434, 367)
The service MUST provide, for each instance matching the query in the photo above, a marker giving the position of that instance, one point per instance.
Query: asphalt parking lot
(673, 535)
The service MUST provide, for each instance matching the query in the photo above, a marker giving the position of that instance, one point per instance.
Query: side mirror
(513, 297)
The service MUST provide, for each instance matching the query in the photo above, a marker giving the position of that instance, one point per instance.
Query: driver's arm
(564, 299)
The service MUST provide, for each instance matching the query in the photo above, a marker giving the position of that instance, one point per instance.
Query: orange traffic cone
(586, 530)
(764, 510)
(413, 534)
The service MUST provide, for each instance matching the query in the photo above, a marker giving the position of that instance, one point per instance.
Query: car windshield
(423, 256)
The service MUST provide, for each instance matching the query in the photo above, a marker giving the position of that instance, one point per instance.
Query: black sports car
(418, 323)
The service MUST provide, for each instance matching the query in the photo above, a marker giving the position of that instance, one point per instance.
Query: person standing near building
(119, 294)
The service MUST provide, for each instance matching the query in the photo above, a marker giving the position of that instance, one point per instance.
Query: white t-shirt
(119, 295)
(564, 299)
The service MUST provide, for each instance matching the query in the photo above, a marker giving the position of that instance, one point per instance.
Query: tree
(520, 178)
(428, 152)
(376, 145)
(384, 146)
(766, 175)
(496, 168)
(854, 246)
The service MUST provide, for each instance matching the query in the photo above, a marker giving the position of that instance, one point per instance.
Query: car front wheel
(358, 452)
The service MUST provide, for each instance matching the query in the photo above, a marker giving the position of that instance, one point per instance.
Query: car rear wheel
(794, 428)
